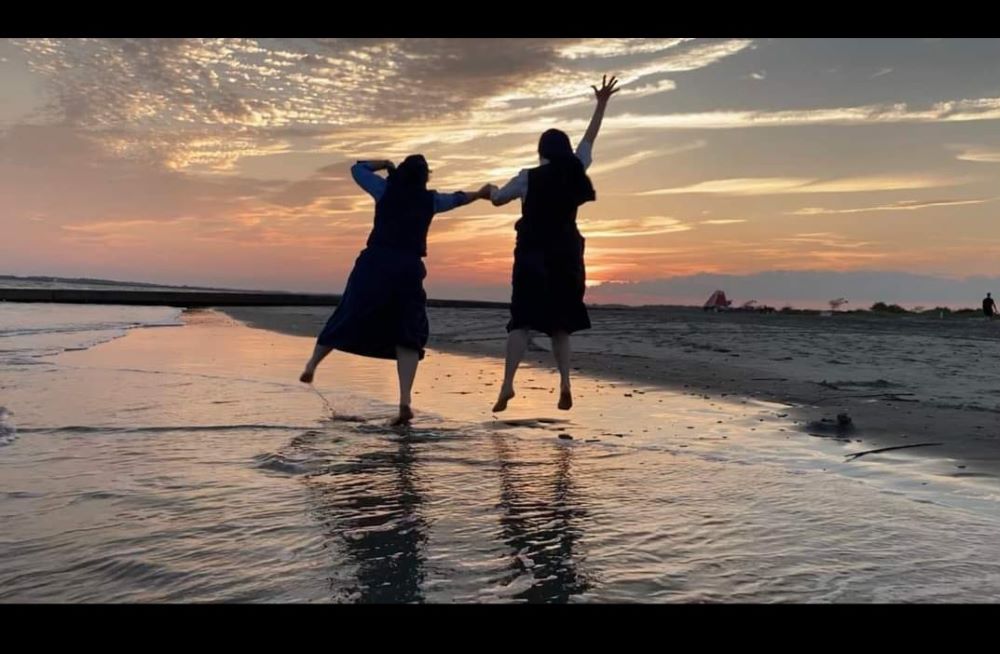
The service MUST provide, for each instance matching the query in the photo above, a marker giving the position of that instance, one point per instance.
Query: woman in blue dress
(383, 312)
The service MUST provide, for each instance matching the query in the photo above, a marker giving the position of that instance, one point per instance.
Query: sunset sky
(225, 162)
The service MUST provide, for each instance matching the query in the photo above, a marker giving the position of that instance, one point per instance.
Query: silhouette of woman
(383, 312)
(549, 275)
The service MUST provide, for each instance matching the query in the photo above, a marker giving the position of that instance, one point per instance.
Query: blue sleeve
(368, 180)
(448, 201)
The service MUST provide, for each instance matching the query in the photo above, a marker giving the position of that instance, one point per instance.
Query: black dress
(384, 303)
(549, 279)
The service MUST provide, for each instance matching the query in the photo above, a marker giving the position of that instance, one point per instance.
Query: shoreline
(881, 414)
(199, 298)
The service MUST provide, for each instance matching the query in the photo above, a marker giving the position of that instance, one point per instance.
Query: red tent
(717, 302)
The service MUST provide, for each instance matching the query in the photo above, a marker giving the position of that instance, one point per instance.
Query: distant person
(989, 307)
(383, 312)
(549, 278)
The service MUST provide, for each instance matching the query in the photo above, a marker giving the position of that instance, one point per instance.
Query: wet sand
(186, 463)
(903, 381)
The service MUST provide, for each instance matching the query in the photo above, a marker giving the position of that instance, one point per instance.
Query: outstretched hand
(607, 88)
(486, 191)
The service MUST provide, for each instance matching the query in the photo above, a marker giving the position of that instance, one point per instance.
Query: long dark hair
(411, 175)
(406, 195)
(554, 145)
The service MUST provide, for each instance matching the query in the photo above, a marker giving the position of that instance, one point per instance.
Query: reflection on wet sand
(541, 522)
(370, 509)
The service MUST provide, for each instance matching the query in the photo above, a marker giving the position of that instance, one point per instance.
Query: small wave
(85, 328)
(289, 465)
(21, 495)
(47, 330)
(98, 495)
(532, 423)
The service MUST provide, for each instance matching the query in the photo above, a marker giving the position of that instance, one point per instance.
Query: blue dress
(384, 304)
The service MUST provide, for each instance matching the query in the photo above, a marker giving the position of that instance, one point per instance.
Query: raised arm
(364, 175)
(603, 95)
(376, 165)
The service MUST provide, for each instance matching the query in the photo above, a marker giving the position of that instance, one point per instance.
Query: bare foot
(404, 417)
(505, 396)
(307, 376)
(565, 400)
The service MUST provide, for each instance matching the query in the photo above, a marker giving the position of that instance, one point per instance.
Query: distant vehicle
(718, 302)
(755, 307)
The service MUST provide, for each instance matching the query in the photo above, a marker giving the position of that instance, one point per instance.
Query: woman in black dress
(383, 312)
(549, 277)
